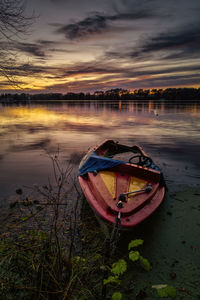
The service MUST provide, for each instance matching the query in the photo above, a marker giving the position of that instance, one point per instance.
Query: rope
(115, 234)
(110, 247)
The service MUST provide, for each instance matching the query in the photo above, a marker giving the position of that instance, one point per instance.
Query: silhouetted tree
(171, 95)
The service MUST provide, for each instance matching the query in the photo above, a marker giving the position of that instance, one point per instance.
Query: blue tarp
(99, 163)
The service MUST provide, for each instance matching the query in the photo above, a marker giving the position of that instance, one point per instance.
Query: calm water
(170, 134)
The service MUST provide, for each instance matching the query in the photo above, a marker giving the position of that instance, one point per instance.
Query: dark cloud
(181, 44)
(41, 49)
(30, 69)
(131, 43)
(166, 81)
(129, 79)
(91, 68)
(30, 48)
(112, 75)
(90, 25)
(37, 49)
(98, 23)
(178, 44)
(111, 68)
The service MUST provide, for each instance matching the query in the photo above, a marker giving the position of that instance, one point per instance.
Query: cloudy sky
(90, 45)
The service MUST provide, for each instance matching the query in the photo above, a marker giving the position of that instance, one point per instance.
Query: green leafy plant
(117, 296)
(135, 243)
(120, 267)
(112, 279)
(164, 290)
(134, 255)
(144, 263)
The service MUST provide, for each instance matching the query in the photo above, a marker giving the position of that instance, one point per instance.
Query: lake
(170, 133)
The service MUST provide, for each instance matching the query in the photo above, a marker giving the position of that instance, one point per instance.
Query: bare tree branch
(14, 24)
(13, 20)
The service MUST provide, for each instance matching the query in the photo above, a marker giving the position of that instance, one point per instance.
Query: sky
(97, 45)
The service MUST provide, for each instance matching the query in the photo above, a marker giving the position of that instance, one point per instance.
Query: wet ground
(172, 245)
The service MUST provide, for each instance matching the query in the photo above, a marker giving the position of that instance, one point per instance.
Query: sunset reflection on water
(26, 132)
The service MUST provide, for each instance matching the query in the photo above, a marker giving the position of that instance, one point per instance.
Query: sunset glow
(104, 45)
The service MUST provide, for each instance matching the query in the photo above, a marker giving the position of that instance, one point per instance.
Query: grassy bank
(52, 247)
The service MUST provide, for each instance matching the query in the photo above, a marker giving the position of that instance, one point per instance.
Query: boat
(121, 183)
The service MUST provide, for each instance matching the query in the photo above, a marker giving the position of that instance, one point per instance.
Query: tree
(13, 24)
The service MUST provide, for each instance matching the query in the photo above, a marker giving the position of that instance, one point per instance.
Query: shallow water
(169, 133)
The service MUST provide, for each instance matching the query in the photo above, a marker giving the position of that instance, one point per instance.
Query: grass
(43, 244)
(52, 248)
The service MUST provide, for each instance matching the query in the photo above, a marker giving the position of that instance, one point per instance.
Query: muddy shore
(171, 244)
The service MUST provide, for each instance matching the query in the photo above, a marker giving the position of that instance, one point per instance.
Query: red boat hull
(103, 191)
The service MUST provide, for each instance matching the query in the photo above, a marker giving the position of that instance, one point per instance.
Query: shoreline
(171, 244)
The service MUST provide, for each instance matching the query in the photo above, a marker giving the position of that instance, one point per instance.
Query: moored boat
(121, 183)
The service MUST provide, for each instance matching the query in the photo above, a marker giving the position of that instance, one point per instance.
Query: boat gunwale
(102, 208)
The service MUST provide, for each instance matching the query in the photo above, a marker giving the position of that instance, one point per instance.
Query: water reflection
(170, 133)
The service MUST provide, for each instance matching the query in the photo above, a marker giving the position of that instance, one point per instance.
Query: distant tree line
(179, 94)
